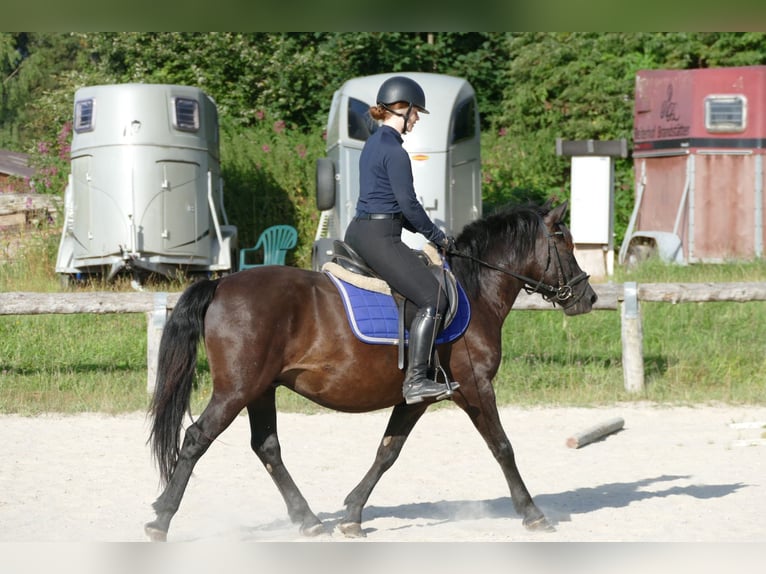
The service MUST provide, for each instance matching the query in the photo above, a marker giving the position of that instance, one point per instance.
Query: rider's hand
(448, 244)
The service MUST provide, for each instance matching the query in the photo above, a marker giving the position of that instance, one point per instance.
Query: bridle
(561, 294)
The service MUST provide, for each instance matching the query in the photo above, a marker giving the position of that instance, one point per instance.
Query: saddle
(347, 266)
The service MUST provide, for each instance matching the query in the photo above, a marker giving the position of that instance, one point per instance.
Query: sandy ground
(671, 475)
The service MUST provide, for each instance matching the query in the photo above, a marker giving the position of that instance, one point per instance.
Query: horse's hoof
(539, 525)
(314, 530)
(352, 530)
(155, 534)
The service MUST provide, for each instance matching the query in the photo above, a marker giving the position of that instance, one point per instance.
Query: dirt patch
(670, 474)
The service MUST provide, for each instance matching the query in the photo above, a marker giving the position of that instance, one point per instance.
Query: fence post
(632, 339)
(155, 323)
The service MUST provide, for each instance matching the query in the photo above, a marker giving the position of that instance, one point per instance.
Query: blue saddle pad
(374, 317)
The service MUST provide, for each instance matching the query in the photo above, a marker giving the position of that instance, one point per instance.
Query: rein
(559, 294)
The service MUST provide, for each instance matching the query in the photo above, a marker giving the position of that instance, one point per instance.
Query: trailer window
(725, 113)
(187, 114)
(464, 124)
(83, 116)
(360, 124)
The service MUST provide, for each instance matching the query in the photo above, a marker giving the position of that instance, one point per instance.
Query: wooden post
(632, 339)
(155, 323)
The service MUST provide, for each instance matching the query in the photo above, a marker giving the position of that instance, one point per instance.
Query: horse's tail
(176, 367)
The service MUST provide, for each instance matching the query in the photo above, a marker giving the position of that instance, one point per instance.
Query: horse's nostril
(593, 299)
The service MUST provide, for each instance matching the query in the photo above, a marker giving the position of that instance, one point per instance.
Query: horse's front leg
(265, 443)
(480, 404)
(403, 419)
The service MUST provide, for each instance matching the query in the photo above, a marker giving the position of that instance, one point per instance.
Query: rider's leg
(417, 386)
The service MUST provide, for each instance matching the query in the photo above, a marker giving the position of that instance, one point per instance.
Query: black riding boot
(417, 386)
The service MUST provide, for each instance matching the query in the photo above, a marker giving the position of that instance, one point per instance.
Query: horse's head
(530, 245)
(562, 281)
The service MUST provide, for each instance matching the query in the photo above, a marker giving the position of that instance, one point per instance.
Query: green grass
(693, 353)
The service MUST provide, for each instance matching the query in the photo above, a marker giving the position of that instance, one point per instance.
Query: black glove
(448, 244)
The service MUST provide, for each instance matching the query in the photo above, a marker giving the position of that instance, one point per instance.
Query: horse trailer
(444, 149)
(699, 142)
(145, 193)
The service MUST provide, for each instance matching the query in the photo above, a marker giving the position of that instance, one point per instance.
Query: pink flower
(301, 149)
(279, 126)
(265, 148)
(66, 129)
(260, 114)
(503, 132)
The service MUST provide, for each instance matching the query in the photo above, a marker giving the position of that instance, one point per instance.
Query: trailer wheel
(325, 183)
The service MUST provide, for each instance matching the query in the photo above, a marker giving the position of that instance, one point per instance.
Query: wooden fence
(611, 296)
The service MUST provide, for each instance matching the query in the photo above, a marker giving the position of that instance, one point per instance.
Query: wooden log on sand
(595, 433)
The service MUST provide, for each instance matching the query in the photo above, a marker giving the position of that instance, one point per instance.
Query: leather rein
(558, 294)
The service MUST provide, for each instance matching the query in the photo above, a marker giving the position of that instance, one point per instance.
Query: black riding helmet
(402, 89)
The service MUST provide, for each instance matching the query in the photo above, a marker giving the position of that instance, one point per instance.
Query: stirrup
(439, 370)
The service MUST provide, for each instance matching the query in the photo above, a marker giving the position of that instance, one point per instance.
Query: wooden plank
(20, 303)
(595, 433)
(609, 296)
(701, 292)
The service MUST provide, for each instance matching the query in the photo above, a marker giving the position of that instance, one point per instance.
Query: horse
(284, 326)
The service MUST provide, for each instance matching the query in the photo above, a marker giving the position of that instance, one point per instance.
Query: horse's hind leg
(402, 421)
(265, 443)
(483, 412)
(197, 438)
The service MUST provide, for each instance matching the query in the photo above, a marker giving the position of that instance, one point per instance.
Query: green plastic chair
(275, 241)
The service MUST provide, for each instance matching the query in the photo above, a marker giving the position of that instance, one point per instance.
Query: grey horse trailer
(145, 193)
(444, 149)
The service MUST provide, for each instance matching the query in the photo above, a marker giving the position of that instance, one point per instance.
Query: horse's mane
(512, 230)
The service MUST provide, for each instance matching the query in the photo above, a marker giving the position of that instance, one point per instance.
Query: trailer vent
(83, 116)
(187, 114)
(725, 113)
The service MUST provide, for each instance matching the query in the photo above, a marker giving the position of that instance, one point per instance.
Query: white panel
(592, 199)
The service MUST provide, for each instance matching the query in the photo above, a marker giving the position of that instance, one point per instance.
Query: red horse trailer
(699, 140)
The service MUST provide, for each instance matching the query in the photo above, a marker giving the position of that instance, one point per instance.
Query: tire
(325, 184)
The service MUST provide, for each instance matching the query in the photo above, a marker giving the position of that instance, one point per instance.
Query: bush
(269, 172)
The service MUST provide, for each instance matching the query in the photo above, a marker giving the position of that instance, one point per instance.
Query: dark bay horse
(277, 325)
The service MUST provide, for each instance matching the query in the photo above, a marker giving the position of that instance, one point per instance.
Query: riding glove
(448, 244)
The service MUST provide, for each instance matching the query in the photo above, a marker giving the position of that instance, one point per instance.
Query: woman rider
(387, 203)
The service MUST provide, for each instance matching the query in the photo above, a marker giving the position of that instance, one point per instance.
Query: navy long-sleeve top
(386, 183)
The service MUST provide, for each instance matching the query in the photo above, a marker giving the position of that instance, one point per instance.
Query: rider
(387, 203)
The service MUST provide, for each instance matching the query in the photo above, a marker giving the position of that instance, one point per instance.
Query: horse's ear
(556, 215)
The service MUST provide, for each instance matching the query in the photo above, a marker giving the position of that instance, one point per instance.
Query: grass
(693, 353)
